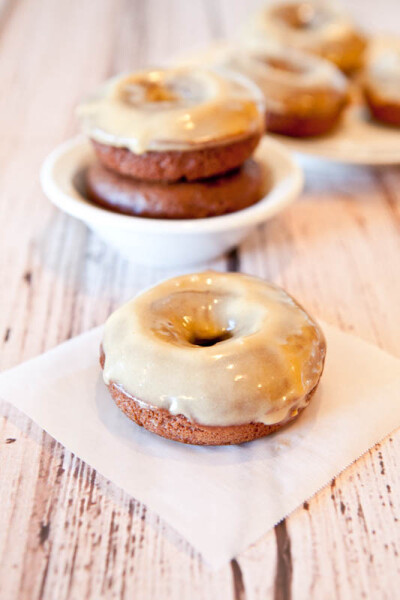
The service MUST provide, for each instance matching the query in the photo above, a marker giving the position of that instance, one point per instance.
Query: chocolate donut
(304, 95)
(212, 358)
(184, 200)
(382, 84)
(321, 28)
(174, 124)
(180, 429)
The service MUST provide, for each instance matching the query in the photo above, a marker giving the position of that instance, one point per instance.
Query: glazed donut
(212, 358)
(174, 124)
(304, 95)
(211, 197)
(315, 26)
(382, 84)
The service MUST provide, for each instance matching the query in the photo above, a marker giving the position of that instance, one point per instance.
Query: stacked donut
(301, 55)
(213, 358)
(382, 83)
(175, 143)
(318, 27)
(325, 31)
(304, 95)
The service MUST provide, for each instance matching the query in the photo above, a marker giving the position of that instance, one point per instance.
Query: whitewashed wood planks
(64, 531)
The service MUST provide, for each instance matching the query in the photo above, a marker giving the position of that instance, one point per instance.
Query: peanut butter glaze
(172, 109)
(382, 74)
(301, 15)
(291, 81)
(218, 348)
(316, 26)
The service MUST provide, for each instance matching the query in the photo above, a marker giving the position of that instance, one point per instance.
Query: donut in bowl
(212, 358)
(304, 95)
(382, 84)
(210, 197)
(318, 27)
(174, 124)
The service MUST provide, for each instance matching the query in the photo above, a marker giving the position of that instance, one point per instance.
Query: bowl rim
(61, 166)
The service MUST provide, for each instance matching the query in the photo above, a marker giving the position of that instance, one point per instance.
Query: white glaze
(332, 29)
(262, 373)
(383, 73)
(173, 109)
(282, 88)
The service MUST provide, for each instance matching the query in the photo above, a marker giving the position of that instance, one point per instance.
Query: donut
(320, 28)
(183, 200)
(212, 358)
(304, 95)
(174, 124)
(382, 84)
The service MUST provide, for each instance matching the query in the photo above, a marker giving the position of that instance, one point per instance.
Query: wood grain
(65, 532)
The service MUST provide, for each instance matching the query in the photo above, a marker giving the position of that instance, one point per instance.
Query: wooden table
(66, 532)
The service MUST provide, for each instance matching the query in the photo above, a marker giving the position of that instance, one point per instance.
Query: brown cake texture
(184, 200)
(176, 165)
(180, 429)
(346, 50)
(294, 125)
(381, 109)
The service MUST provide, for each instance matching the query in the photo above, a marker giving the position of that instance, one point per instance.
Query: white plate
(358, 140)
(166, 242)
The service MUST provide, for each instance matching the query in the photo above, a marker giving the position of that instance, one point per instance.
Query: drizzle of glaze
(291, 80)
(173, 109)
(218, 348)
(382, 74)
(315, 26)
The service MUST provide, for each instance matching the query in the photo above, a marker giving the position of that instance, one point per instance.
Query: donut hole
(201, 319)
(300, 15)
(282, 64)
(155, 92)
(205, 342)
(146, 92)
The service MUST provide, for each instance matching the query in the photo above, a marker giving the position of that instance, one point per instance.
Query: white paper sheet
(220, 499)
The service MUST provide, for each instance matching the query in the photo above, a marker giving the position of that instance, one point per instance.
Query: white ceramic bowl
(166, 242)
